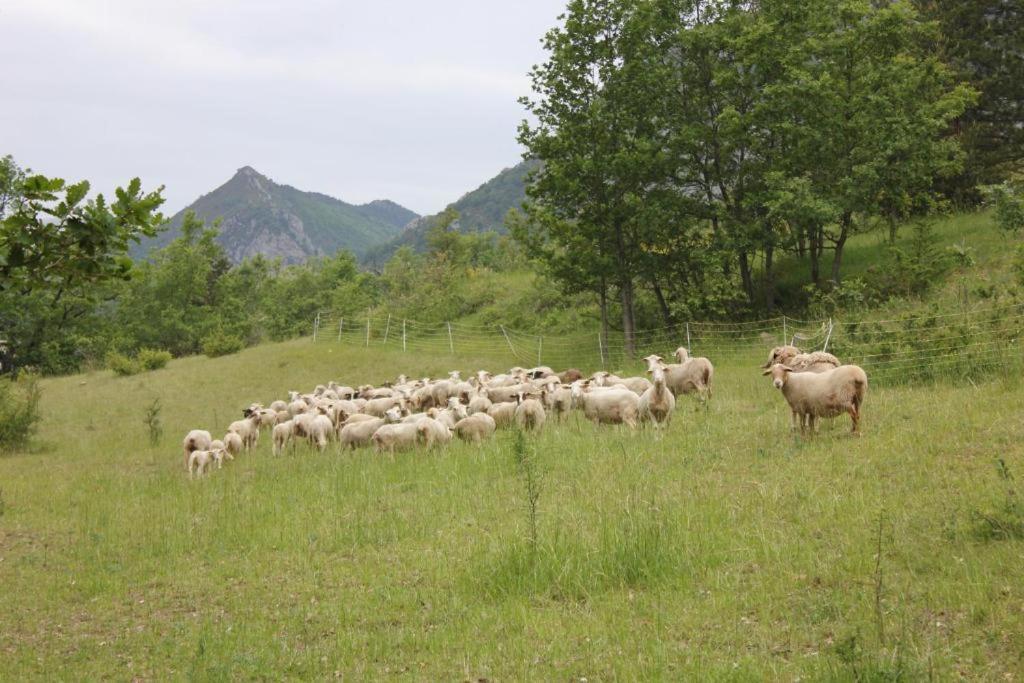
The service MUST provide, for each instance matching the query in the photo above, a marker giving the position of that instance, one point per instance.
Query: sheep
(506, 394)
(540, 372)
(479, 403)
(392, 437)
(360, 432)
(821, 394)
(283, 416)
(233, 443)
(278, 406)
(197, 439)
(603, 378)
(657, 403)
(248, 429)
(198, 462)
(569, 376)
(503, 413)
(529, 412)
(613, 406)
(320, 431)
(220, 455)
(558, 401)
(434, 432)
(453, 413)
(282, 434)
(379, 406)
(690, 375)
(476, 427)
(795, 359)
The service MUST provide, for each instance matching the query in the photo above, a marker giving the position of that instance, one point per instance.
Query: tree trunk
(801, 243)
(628, 322)
(844, 233)
(816, 245)
(769, 278)
(666, 314)
(893, 229)
(748, 284)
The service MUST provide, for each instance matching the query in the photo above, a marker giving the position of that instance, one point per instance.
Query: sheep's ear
(786, 368)
(767, 371)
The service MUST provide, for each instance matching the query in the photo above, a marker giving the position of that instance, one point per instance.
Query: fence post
(451, 344)
(403, 334)
(367, 327)
(600, 348)
(827, 336)
(540, 345)
(387, 328)
(341, 327)
(688, 337)
(785, 331)
(510, 347)
(316, 326)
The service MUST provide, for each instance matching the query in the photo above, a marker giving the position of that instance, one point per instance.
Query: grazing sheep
(476, 427)
(657, 403)
(796, 360)
(197, 439)
(278, 406)
(320, 431)
(378, 406)
(611, 406)
(282, 434)
(433, 432)
(529, 412)
(220, 455)
(248, 429)
(507, 394)
(233, 443)
(602, 378)
(821, 394)
(569, 376)
(392, 437)
(540, 372)
(478, 404)
(558, 401)
(359, 433)
(690, 375)
(297, 407)
(638, 385)
(503, 414)
(198, 463)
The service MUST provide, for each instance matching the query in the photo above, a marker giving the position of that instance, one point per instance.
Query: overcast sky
(410, 100)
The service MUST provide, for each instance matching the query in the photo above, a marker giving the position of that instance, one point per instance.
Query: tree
(60, 253)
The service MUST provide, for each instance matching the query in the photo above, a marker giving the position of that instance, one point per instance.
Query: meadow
(728, 549)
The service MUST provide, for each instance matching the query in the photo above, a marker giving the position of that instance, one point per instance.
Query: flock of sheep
(429, 413)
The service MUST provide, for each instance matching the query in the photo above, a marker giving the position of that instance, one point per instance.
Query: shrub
(153, 359)
(19, 410)
(221, 344)
(122, 364)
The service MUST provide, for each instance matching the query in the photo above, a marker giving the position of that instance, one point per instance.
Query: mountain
(480, 210)
(259, 216)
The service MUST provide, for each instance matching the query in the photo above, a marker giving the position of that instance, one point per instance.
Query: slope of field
(728, 549)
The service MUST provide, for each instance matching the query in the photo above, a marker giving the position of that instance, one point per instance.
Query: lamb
(198, 462)
(793, 358)
(248, 429)
(360, 432)
(821, 394)
(503, 413)
(529, 412)
(282, 434)
(612, 406)
(233, 443)
(558, 401)
(657, 403)
(475, 428)
(220, 455)
(690, 375)
(392, 437)
(196, 440)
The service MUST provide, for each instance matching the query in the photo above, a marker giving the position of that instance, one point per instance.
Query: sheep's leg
(855, 418)
(796, 420)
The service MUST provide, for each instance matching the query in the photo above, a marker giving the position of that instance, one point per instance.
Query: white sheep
(233, 443)
(359, 432)
(320, 431)
(690, 375)
(638, 385)
(433, 432)
(282, 434)
(198, 463)
(529, 412)
(657, 403)
(400, 436)
(479, 403)
(220, 455)
(475, 428)
(821, 394)
(611, 406)
(278, 406)
(248, 429)
(503, 414)
(558, 401)
(196, 440)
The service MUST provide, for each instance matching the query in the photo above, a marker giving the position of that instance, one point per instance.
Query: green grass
(729, 549)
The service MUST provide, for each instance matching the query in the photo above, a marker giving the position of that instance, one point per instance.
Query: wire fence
(974, 342)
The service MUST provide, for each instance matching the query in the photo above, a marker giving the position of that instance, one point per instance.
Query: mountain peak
(249, 171)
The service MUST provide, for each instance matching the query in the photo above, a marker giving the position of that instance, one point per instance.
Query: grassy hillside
(728, 549)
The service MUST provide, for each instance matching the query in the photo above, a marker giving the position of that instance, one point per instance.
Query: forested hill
(259, 216)
(480, 210)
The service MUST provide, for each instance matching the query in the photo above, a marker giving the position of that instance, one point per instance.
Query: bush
(153, 359)
(221, 344)
(19, 410)
(122, 364)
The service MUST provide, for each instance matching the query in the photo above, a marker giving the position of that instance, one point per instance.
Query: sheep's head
(681, 354)
(402, 379)
(249, 412)
(455, 375)
(779, 373)
(393, 414)
(653, 361)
